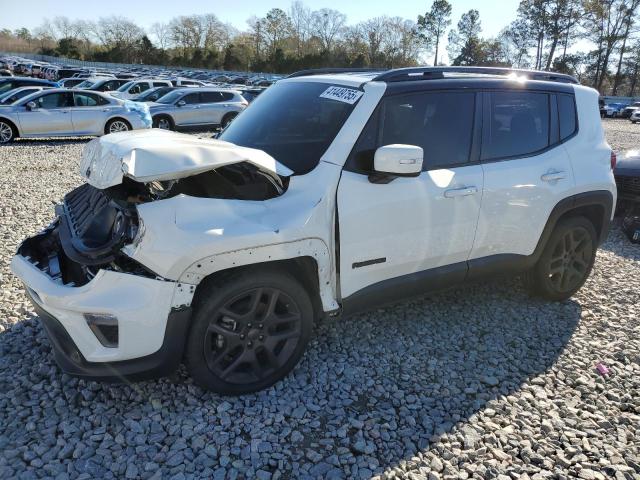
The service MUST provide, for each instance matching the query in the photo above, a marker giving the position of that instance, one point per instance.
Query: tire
(116, 125)
(163, 122)
(7, 132)
(566, 262)
(250, 328)
(226, 120)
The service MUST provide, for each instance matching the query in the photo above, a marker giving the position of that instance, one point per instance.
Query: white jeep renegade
(335, 191)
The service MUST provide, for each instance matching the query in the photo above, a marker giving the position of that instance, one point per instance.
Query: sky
(494, 15)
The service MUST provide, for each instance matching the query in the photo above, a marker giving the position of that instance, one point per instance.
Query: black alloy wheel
(566, 261)
(249, 332)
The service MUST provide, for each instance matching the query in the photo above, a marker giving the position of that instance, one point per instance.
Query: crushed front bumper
(152, 317)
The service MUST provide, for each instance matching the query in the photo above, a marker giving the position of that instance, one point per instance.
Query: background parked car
(17, 93)
(627, 111)
(613, 110)
(194, 107)
(154, 94)
(136, 87)
(102, 84)
(10, 83)
(61, 112)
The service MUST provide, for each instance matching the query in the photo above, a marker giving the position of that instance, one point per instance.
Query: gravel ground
(480, 382)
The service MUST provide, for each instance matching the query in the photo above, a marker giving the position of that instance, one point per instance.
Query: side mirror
(31, 106)
(181, 103)
(399, 160)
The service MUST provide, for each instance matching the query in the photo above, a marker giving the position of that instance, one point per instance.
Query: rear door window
(211, 97)
(516, 124)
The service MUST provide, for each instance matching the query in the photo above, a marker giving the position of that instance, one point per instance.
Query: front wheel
(250, 329)
(6, 132)
(566, 262)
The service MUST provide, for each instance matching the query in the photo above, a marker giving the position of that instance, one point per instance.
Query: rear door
(526, 171)
(412, 225)
(89, 114)
(213, 107)
(52, 115)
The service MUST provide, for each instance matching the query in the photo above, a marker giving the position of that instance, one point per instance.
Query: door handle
(460, 192)
(553, 176)
(106, 110)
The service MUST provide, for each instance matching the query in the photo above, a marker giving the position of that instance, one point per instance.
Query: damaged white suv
(333, 192)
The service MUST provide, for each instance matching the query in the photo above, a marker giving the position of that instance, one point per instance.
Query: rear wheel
(7, 133)
(117, 125)
(566, 261)
(163, 122)
(250, 329)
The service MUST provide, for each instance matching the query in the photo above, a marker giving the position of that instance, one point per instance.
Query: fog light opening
(104, 327)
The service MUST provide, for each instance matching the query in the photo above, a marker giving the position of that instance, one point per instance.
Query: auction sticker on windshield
(342, 94)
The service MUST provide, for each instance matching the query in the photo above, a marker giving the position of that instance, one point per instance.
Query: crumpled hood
(150, 155)
(628, 163)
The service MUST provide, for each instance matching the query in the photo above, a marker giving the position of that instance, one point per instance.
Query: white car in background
(136, 87)
(197, 107)
(59, 112)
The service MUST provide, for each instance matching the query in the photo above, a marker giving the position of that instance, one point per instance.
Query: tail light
(614, 160)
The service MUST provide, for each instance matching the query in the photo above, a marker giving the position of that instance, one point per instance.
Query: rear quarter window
(567, 116)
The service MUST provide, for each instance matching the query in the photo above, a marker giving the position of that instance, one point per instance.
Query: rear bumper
(161, 363)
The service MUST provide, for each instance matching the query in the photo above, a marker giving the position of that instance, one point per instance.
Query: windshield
(125, 87)
(13, 96)
(85, 84)
(170, 97)
(294, 122)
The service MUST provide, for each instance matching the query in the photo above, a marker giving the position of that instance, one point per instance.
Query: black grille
(81, 205)
(628, 185)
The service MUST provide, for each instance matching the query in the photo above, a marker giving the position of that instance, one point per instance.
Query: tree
(300, 24)
(464, 42)
(605, 23)
(433, 25)
(515, 43)
(162, 33)
(327, 25)
(277, 25)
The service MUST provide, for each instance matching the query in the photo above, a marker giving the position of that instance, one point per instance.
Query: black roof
(437, 73)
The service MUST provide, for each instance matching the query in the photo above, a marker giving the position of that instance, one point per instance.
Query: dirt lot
(479, 382)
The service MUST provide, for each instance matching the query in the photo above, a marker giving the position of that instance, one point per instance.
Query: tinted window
(191, 98)
(159, 84)
(567, 115)
(226, 96)
(517, 124)
(291, 122)
(439, 122)
(55, 100)
(6, 86)
(211, 97)
(87, 100)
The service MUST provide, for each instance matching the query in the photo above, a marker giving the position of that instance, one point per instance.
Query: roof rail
(429, 73)
(325, 71)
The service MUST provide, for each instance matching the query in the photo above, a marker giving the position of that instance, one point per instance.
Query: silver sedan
(197, 107)
(61, 113)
